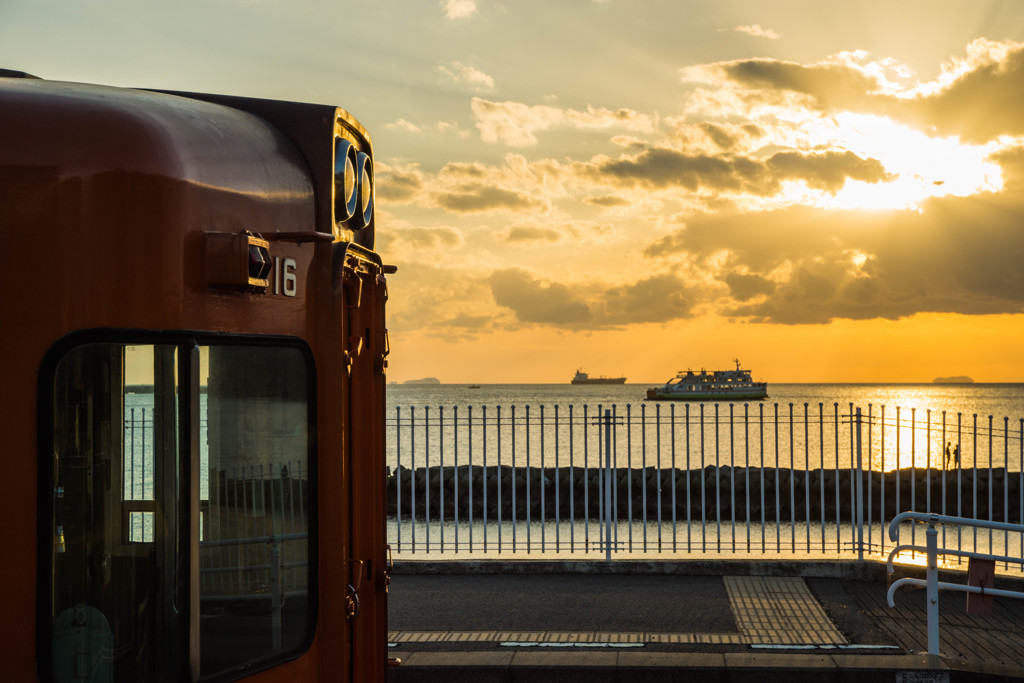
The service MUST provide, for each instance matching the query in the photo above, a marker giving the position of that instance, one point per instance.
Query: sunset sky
(828, 191)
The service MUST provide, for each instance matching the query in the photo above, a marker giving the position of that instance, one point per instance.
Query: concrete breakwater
(547, 493)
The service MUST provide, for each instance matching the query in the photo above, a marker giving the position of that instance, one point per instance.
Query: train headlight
(346, 195)
(238, 260)
(364, 171)
(259, 262)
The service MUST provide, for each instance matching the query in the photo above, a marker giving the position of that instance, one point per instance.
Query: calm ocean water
(998, 400)
(798, 425)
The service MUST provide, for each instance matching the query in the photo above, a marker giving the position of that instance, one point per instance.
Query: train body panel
(178, 272)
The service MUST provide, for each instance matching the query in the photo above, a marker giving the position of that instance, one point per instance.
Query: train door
(119, 603)
(182, 478)
(364, 292)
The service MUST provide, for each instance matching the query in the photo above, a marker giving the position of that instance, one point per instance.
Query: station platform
(678, 621)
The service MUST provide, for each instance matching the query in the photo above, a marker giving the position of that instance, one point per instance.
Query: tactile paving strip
(779, 610)
(768, 610)
(563, 638)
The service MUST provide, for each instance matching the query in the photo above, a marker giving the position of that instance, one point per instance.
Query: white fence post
(932, 590)
(608, 485)
(860, 491)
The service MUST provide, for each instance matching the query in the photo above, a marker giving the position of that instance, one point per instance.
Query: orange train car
(193, 367)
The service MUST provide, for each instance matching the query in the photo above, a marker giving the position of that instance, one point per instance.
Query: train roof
(273, 160)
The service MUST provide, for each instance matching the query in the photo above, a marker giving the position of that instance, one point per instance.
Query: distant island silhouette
(425, 380)
(958, 379)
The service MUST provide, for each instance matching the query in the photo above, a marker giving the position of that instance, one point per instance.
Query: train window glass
(119, 577)
(255, 561)
(111, 602)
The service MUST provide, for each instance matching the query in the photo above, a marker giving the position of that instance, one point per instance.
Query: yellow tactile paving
(779, 610)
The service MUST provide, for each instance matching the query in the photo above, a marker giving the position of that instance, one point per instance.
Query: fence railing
(932, 552)
(709, 479)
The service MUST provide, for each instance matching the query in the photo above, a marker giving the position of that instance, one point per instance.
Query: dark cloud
(661, 168)
(806, 266)
(532, 233)
(1012, 163)
(831, 86)
(457, 169)
(466, 321)
(744, 286)
(536, 302)
(658, 298)
(606, 201)
(429, 238)
(397, 186)
(655, 299)
(481, 198)
(979, 105)
(719, 134)
(827, 171)
(423, 295)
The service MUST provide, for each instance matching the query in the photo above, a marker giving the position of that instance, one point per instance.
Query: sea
(903, 425)
(998, 400)
(797, 427)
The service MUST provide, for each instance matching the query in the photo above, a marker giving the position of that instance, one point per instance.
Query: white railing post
(607, 485)
(860, 491)
(932, 590)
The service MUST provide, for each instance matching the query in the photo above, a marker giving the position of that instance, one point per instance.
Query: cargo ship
(583, 378)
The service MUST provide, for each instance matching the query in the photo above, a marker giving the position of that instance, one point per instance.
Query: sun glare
(921, 166)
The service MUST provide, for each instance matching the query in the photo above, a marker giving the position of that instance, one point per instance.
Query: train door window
(255, 557)
(114, 603)
(124, 577)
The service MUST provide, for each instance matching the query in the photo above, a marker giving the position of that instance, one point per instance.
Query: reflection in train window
(255, 560)
(121, 579)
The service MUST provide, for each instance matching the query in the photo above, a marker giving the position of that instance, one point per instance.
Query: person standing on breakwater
(956, 455)
(948, 455)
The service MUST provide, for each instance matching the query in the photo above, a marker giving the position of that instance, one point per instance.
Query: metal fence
(717, 479)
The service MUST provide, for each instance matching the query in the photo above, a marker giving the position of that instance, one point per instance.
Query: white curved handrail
(932, 583)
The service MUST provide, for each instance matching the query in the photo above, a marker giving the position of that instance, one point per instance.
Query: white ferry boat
(718, 385)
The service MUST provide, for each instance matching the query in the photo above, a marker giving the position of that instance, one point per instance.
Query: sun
(920, 166)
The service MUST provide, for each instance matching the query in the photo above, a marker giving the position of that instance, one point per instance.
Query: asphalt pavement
(733, 621)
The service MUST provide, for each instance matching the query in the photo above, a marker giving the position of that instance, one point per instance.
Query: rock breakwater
(746, 492)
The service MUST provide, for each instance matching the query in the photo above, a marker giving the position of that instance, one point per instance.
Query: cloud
(662, 168)
(979, 97)
(828, 85)
(515, 123)
(575, 232)
(477, 198)
(534, 301)
(657, 298)
(976, 97)
(453, 303)
(467, 322)
(744, 286)
(398, 183)
(758, 32)
(468, 75)
(808, 266)
(606, 201)
(458, 9)
(532, 233)
(402, 124)
(437, 237)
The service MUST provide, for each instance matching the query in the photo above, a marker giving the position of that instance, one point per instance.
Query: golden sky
(828, 191)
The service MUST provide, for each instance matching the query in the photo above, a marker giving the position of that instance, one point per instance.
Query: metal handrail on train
(931, 582)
